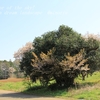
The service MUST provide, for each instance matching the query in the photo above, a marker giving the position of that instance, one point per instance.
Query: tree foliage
(19, 54)
(66, 61)
(5, 69)
(65, 39)
(46, 67)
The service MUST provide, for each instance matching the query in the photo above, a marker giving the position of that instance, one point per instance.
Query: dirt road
(10, 95)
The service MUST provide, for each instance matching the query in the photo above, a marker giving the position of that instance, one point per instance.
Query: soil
(11, 80)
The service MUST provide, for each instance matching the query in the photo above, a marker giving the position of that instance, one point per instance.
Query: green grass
(13, 86)
(91, 79)
(89, 94)
(88, 89)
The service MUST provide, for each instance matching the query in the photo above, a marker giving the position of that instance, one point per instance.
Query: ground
(11, 95)
(11, 80)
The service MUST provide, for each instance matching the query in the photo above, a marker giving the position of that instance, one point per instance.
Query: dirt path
(10, 95)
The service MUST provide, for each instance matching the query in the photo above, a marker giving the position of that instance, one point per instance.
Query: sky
(23, 20)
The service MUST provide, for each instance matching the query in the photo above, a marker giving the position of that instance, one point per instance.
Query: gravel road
(10, 95)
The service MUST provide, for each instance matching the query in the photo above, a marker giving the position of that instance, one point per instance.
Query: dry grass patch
(12, 80)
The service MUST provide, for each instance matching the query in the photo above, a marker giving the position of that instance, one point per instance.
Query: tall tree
(64, 40)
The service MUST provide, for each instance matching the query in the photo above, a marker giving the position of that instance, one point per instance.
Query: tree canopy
(45, 63)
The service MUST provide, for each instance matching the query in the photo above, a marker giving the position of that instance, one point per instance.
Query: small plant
(28, 83)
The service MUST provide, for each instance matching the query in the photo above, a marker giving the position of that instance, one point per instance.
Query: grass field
(88, 89)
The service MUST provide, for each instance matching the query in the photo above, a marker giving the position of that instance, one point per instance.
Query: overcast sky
(23, 20)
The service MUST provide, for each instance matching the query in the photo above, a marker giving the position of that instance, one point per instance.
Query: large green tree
(65, 40)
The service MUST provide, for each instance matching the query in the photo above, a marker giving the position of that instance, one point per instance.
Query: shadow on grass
(54, 90)
(45, 91)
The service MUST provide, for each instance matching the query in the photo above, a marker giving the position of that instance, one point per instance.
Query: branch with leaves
(47, 67)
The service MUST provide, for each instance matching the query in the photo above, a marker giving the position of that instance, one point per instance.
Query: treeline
(60, 55)
(9, 69)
